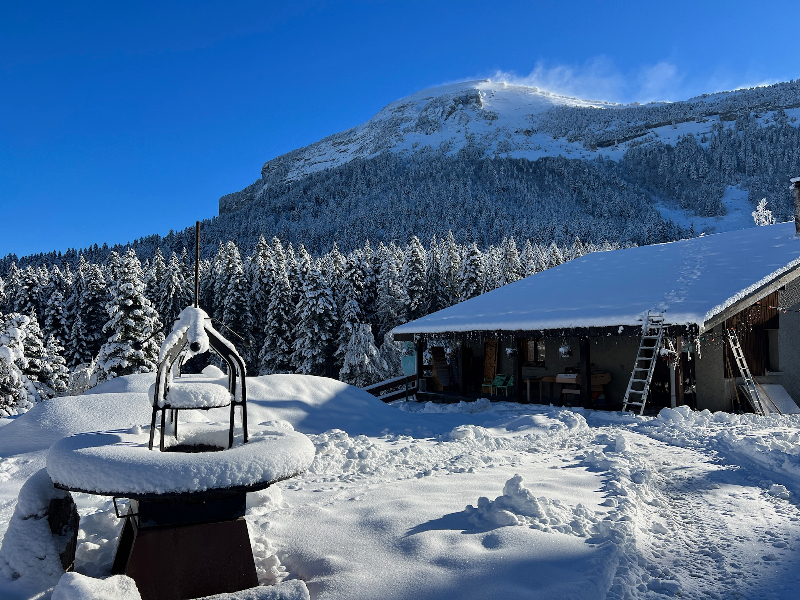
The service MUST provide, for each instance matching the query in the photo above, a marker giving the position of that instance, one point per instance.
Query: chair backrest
(510, 381)
(499, 380)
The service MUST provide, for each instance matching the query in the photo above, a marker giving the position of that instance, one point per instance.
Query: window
(534, 352)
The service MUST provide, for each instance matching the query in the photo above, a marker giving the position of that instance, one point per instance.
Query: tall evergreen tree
(132, 325)
(26, 300)
(174, 294)
(153, 278)
(236, 310)
(415, 280)
(315, 322)
(470, 274)
(17, 394)
(55, 317)
(277, 347)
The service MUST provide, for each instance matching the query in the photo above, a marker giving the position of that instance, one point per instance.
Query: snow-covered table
(184, 533)
(118, 463)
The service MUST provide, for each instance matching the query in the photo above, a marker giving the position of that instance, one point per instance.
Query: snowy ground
(576, 504)
(738, 216)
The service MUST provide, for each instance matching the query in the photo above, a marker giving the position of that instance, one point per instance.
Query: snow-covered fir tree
(236, 310)
(415, 280)
(762, 215)
(261, 286)
(26, 299)
(277, 347)
(154, 275)
(392, 355)
(315, 320)
(132, 325)
(362, 363)
(174, 294)
(17, 394)
(55, 317)
(470, 274)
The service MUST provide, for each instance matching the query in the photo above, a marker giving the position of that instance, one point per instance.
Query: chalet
(713, 305)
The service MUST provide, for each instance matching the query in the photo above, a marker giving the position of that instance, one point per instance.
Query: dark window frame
(534, 352)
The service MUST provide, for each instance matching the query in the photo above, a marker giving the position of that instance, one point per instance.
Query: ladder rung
(634, 403)
(638, 380)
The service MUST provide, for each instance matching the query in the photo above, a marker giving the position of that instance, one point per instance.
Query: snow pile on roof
(120, 463)
(690, 280)
(74, 586)
(29, 549)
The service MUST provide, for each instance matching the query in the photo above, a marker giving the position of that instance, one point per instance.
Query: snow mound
(74, 586)
(318, 404)
(49, 421)
(518, 506)
(119, 463)
(287, 590)
(479, 405)
(127, 384)
(214, 372)
(29, 549)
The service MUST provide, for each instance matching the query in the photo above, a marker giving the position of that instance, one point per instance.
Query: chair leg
(163, 427)
(153, 427)
(233, 422)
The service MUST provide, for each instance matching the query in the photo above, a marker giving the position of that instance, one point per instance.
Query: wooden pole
(197, 264)
(418, 348)
(519, 344)
(586, 373)
(679, 371)
(796, 191)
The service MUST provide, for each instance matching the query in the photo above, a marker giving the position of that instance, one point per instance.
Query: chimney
(795, 187)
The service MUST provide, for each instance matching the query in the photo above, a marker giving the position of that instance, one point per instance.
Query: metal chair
(205, 399)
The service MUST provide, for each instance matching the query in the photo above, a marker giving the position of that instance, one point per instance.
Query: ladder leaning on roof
(750, 387)
(652, 332)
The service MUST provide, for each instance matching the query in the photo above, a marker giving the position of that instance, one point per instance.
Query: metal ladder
(652, 332)
(750, 387)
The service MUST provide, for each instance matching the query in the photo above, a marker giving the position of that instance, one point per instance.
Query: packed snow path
(481, 500)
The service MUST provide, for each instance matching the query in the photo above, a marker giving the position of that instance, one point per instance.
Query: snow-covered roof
(692, 281)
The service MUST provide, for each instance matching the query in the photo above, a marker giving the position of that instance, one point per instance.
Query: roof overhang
(762, 292)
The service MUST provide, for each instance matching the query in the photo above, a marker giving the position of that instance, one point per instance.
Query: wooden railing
(390, 384)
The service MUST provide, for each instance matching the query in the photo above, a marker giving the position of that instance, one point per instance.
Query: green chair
(507, 385)
(497, 382)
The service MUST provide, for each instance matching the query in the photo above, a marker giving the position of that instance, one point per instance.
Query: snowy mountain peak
(490, 114)
(496, 118)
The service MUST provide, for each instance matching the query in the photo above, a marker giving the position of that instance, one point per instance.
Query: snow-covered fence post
(795, 187)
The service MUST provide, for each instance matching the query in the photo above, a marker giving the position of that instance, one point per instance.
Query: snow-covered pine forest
(64, 329)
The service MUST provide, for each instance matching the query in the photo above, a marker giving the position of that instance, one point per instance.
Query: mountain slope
(523, 122)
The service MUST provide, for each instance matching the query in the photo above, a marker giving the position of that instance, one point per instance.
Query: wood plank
(586, 372)
(490, 359)
(440, 367)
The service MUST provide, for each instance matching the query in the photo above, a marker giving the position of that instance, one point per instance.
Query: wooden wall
(751, 326)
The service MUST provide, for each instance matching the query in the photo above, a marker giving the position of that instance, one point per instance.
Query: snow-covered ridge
(500, 119)
(480, 112)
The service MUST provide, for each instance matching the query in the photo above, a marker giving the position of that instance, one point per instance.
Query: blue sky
(120, 121)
